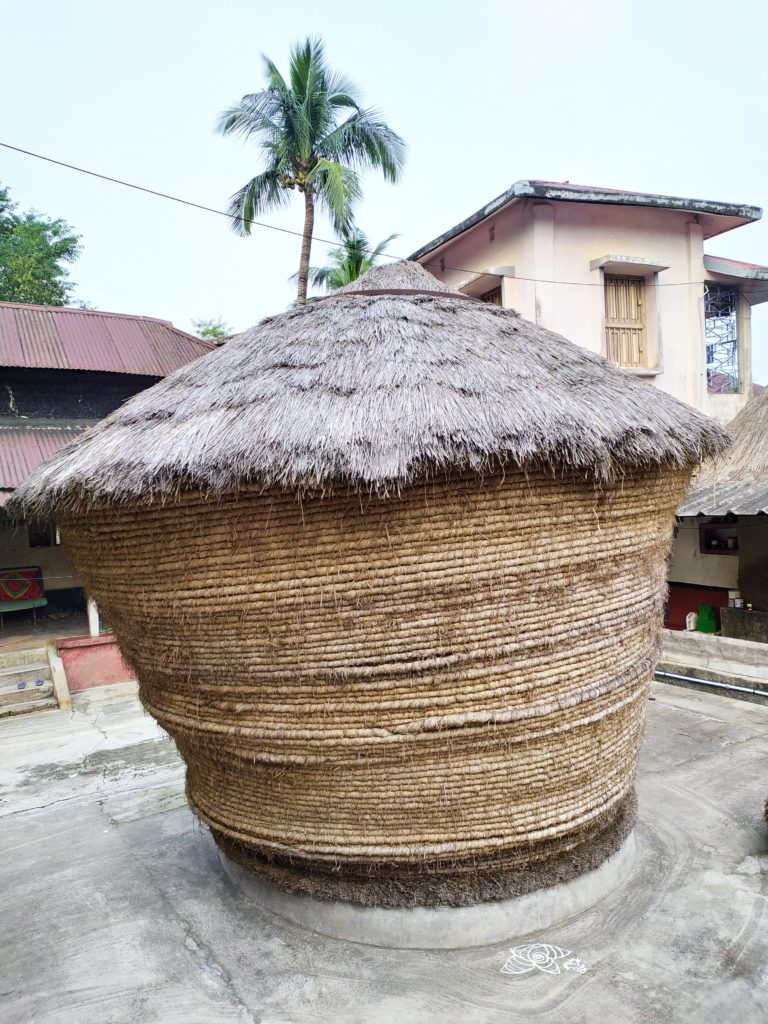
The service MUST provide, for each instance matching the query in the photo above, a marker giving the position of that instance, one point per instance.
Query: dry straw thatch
(747, 458)
(421, 680)
(736, 481)
(375, 392)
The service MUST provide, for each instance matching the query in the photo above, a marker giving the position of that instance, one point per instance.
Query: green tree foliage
(33, 254)
(213, 328)
(351, 260)
(315, 138)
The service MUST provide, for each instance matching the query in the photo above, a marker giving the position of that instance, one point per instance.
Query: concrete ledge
(739, 657)
(708, 657)
(86, 700)
(92, 661)
(439, 927)
(59, 677)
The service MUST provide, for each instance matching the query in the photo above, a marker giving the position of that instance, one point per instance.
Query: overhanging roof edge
(735, 268)
(563, 192)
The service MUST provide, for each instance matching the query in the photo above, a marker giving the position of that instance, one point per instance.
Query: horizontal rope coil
(390, 692)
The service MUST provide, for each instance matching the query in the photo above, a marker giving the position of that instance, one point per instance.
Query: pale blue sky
(654, 96)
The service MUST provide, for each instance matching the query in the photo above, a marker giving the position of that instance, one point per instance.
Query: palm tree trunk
(306, 245)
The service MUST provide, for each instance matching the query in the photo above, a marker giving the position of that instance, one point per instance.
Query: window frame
(652, 339)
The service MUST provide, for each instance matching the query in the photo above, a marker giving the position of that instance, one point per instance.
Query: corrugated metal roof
(24, 448)
(720, 499)
(56, 337)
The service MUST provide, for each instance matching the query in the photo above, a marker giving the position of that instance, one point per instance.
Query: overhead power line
(150, 191)
(298, 234)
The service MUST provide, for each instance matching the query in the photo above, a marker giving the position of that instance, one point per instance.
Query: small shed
(390, 569)
(726, 511)
(62, 370)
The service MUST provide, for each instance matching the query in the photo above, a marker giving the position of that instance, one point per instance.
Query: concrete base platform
(116, 908)
(438, 927)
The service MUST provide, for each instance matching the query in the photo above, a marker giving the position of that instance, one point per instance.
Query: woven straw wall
(433, 699)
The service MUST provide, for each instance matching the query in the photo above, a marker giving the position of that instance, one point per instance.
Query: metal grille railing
(721, 307)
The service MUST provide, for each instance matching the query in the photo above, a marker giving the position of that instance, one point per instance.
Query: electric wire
(297, 234)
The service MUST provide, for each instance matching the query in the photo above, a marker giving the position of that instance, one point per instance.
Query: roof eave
(738, 212)
(740, 498)
(751, 278)
(734, 268)
(46, 423)
(479, 215)
(694, 511)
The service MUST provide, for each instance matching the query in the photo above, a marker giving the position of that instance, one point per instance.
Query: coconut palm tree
(309, 145)
(351, 260)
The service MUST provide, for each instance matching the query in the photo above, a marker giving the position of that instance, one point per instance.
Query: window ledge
(615, 264)
(485, 281)
(642, 371)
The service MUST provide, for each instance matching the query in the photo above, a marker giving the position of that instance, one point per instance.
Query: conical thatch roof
(737, 481)
(372, 391)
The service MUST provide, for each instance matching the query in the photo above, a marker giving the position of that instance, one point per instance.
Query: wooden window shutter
(493, 296)
(625, 323)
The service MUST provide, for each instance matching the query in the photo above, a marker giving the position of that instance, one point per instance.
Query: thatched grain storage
(390, 569)
(737, 481)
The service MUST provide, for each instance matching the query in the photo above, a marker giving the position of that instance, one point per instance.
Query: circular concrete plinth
(439, 927)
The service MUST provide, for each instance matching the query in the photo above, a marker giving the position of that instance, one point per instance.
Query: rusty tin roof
(25, 445)
(57, 337)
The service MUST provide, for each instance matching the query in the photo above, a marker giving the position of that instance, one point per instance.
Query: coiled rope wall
(436, 698)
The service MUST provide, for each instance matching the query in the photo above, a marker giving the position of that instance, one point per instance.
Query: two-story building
(624, 274)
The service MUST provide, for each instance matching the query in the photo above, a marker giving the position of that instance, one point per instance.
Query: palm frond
(347, 262)
(288, 109)
(337, 188)
(318, 277)
(378, 250)
(251, 116)
(261, 193)
(363, 142)
(342, 91)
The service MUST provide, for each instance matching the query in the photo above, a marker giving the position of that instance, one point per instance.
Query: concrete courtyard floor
(115, 909)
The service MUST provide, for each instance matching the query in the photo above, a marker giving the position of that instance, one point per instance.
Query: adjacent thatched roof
(371, 391)
(736, 482)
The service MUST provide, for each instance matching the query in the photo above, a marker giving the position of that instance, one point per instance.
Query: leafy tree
(351, 260)
(213, 328)
(33, 249)
(307, 146)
